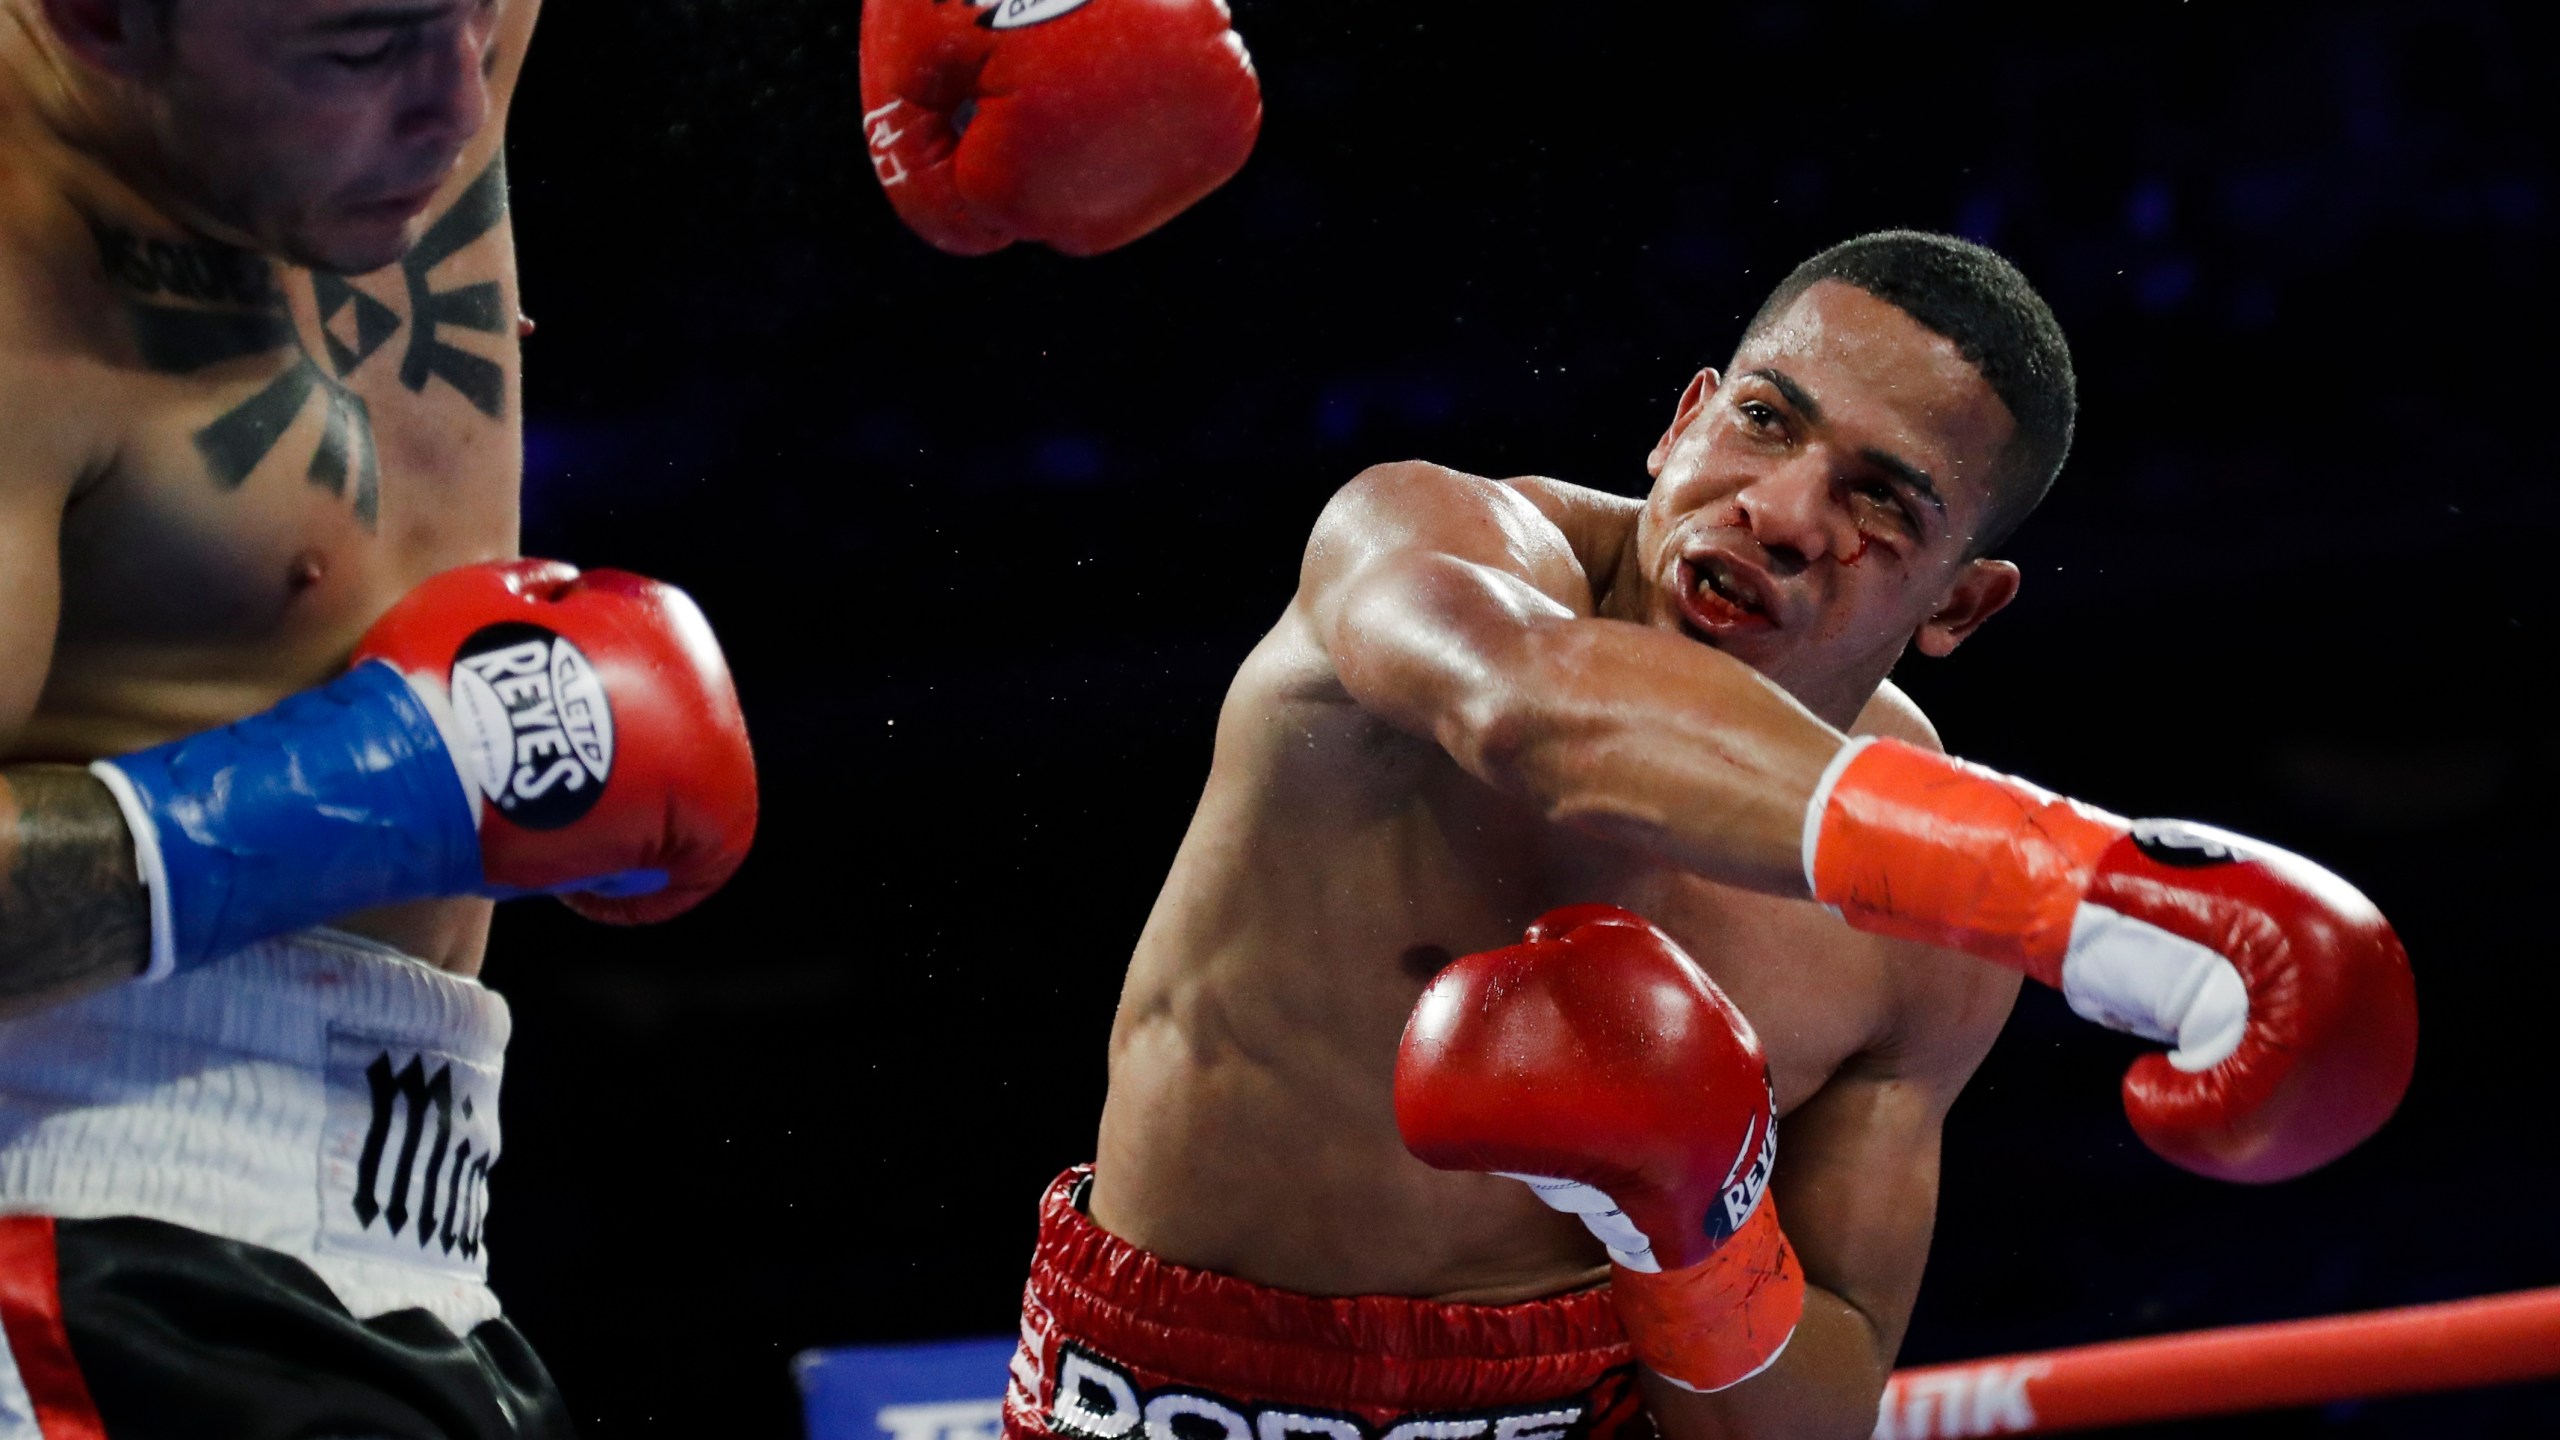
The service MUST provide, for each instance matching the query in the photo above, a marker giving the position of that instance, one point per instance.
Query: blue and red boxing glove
(508, 728)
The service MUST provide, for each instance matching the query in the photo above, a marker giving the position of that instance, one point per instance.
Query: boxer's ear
(1702, 388)
(121, 37)
(1983, 589)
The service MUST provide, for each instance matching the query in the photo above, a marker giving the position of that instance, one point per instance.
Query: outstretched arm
(1452, 609)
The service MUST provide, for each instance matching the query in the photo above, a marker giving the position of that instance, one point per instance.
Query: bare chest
(1341, 890)
(290, 452)
(1250, 1125)
(1816, 992)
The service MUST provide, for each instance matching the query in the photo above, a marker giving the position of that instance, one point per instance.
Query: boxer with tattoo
(281, 712)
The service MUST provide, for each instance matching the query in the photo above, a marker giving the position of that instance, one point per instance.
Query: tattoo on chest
(198, 305)
(478, 307)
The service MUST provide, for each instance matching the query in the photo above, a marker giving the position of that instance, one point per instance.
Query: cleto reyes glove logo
(1748, 1180)
(536, 722)
(1020, 14)
(2183, 845)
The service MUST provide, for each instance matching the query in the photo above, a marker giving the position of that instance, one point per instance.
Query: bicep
(1857, 1175)
(1419, 581)
(1857, 1191)
(1426, 640)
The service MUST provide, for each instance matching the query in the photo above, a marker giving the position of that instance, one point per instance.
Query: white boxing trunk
(318, 1095)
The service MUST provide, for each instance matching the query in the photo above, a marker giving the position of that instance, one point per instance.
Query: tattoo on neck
(190, 270)
(230, 304)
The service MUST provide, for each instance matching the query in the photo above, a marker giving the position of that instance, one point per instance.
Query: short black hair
(1977, 299)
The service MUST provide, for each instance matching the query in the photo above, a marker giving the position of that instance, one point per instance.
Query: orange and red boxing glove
(1079, 124)
(1597, 1063)
(2285, 993)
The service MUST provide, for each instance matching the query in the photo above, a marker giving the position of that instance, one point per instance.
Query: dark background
(985, 539)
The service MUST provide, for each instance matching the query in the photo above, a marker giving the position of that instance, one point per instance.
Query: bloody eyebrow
(1909, 474)
(1885, 460)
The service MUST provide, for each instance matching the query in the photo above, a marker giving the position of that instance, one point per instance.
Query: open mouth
(1719, 599)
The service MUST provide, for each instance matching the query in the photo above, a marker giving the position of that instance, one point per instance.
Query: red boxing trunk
(1117, 1345)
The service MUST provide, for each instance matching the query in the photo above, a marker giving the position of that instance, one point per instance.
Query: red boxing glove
(1081, 124)
(2286, 994)
(593, 718)
(1600, 1066)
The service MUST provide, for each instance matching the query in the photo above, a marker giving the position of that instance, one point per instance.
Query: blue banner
(949, 1390)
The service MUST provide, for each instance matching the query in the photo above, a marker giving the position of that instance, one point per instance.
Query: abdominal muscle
(1250, 1127)
(1227, 1166)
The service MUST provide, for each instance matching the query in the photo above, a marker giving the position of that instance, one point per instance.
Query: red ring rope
(2450, 1346)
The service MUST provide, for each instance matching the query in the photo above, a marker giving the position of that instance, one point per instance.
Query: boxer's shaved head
(1981, 303)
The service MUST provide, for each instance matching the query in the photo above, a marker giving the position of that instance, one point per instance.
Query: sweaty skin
(1492, 698)
(222, 466)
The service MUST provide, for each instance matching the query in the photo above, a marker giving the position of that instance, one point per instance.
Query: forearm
(1655, 743)
(73, 916)
(1825, 1386)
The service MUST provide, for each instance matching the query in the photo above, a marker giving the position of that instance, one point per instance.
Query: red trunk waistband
(1131, 1333)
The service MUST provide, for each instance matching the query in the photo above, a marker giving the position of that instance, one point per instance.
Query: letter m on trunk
(407, 1093)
